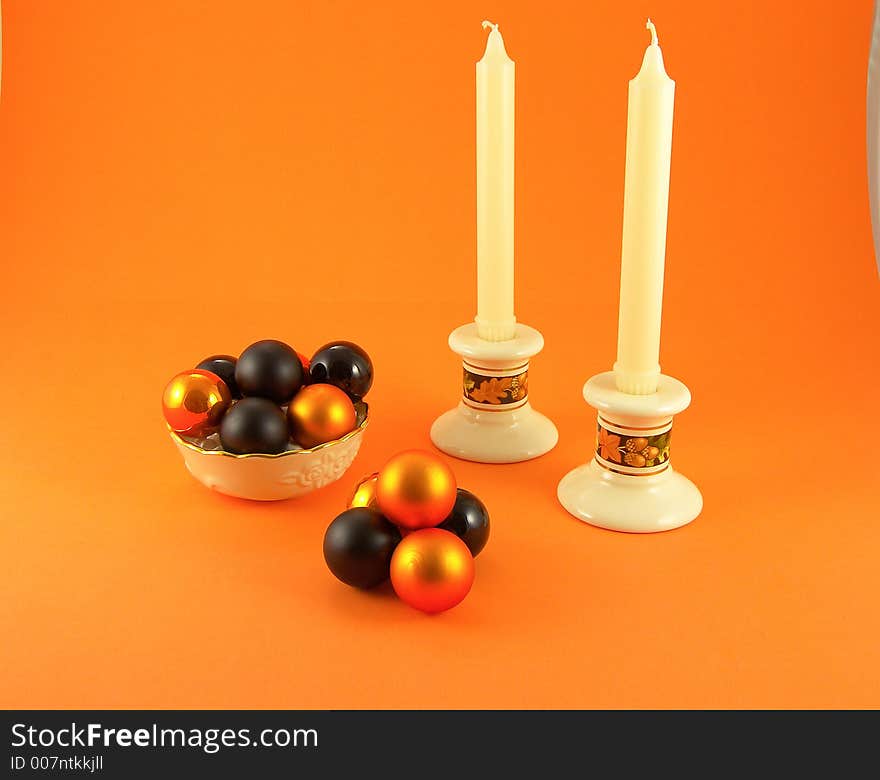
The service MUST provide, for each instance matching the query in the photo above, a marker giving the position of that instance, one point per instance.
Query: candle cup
(630, 484)
(494, 421)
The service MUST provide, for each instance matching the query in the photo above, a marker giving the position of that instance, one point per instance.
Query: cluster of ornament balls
(271, 398)
(410, 522)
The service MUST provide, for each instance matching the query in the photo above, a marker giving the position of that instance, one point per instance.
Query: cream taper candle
(495, 99)
(645, 204)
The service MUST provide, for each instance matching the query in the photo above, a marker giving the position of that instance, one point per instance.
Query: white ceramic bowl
(273, 477)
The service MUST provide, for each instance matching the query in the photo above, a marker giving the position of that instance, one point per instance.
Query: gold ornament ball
(365, 493)
(415, 490)
(194, 402)
(432, 570)
(320, 413)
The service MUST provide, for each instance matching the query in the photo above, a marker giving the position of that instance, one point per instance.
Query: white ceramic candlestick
(494, 421)
(630, 484)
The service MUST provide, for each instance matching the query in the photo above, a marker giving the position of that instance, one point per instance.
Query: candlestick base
(494, 421)
(630, 484)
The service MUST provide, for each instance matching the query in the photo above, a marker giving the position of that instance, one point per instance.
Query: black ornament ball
(345, 365)
(469, 521)
(254, 425)
(358, 546)
(224, 367)
(269, 369)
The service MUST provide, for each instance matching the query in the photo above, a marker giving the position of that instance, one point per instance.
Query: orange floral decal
(635, 451)
(491, 391)
(609, 445)
(495, 391)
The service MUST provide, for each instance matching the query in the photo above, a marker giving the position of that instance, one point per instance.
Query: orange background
(179, 179)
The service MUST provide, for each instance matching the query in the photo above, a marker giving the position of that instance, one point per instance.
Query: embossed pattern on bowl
(273, 477)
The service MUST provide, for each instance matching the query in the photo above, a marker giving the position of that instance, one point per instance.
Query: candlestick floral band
(633, 451)
(495, 389)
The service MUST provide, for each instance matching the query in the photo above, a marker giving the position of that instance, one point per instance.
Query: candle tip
(487, 24)
(650, 26)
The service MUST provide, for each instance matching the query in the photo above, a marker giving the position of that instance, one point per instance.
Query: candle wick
(487, 24)
(650, 26)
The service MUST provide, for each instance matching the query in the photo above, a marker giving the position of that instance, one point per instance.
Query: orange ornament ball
(365, 493)
(320, 413)
(195, 401)
(432, 570)
(416, 490)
